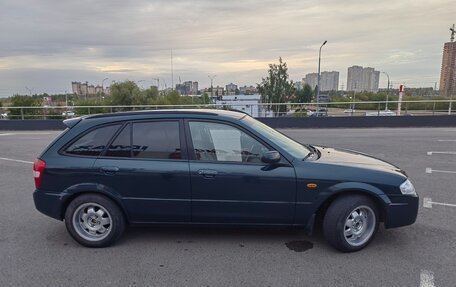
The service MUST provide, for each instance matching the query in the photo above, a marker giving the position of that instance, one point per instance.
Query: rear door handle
(109, 170)
(207, 173)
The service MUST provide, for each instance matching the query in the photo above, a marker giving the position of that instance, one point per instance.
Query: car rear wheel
(94, 220)
(351, 222)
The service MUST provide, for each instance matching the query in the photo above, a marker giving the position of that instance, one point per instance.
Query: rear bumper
(50, 204)
(402, 211)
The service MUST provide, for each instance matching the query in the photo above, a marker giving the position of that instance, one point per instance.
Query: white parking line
(32, 133)
(16, 160)
(446, 140)
(426, 278)
(428, 203)
(430, 170)
(441, 152)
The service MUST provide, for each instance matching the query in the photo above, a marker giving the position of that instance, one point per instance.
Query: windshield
(292, 147)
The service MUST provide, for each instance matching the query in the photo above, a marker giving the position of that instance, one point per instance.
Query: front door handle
(109, 170)
(207, 173)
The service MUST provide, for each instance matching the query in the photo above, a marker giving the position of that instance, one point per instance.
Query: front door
(230, 183)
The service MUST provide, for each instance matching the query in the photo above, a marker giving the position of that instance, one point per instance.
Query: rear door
(230, 184)
(147, 165)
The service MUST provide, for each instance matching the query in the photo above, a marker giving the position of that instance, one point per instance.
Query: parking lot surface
(36, 250)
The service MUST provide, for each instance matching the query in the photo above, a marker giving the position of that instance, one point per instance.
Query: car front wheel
(94, 220)
(351, 222)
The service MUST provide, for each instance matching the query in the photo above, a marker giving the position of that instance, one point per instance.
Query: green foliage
(91, 110)
(301, 113)
(126, 93)
(276, 88)
(25, 101)
(305, 95)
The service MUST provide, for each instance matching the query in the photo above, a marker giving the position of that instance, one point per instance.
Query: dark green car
(212, 167)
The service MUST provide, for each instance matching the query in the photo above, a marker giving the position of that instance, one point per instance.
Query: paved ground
(37, 251)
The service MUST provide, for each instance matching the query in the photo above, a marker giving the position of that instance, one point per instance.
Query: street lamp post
(140, 82)
(318, 80)
(102, 87)
(158, 84)
(212, 87)
(387, 91)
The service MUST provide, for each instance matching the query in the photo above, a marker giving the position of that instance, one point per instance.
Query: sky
(47, 44)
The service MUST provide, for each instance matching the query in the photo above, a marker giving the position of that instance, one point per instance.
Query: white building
(311, 80)
(329, 81)
(371, 79)
(245, 103)
(361, 79)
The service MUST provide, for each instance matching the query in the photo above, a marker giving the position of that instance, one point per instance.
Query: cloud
(91, 40)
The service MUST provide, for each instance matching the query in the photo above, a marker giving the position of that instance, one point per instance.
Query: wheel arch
(327, 198)
(88, 188)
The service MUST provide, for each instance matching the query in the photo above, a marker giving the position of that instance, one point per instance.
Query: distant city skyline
(46, 45)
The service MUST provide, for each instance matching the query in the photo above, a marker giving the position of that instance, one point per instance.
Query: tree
(25, 101)
(305, 95)
(151, 94)
(276, 88)
(126, 93)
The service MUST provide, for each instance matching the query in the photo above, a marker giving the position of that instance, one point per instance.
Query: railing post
(378, 109)
(450, 105)
(433, 109)
(88, 110)
(22, 113)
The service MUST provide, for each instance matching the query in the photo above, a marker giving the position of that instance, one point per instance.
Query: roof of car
(213, 112)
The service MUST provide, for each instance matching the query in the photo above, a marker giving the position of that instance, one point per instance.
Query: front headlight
(407, 188)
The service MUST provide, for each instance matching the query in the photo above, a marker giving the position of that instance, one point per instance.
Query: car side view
(212, 167)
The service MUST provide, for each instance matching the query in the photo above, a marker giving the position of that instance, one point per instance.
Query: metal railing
(332, 109)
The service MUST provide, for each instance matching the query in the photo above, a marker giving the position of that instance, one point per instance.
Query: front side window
(92, 143)
(156, 140)
(222, 142)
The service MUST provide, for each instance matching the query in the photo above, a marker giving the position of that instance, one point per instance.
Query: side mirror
(271, 157)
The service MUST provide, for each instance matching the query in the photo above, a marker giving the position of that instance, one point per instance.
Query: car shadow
(293, 238)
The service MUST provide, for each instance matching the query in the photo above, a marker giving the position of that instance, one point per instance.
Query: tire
(94, 220)
(351, 222)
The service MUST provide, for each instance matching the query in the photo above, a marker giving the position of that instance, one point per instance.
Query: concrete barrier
(283, 122)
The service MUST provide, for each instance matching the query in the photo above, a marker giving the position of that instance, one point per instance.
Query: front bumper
(50, 204)
(402, 211)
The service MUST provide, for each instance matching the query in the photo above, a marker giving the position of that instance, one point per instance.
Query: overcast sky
(46, 44)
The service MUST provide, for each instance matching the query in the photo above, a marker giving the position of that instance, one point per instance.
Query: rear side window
(156, 140)
(92, 143)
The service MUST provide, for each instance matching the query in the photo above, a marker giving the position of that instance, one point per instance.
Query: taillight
(38, 169)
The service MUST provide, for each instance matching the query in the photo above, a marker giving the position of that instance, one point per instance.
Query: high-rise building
(329, 81)
(448, 71)
(311, 80)
(231, 89)
(355, 79)
(371, 79)
(361, 79)
(187, 88)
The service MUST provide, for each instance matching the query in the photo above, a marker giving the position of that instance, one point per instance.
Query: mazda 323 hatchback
(212, 167)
